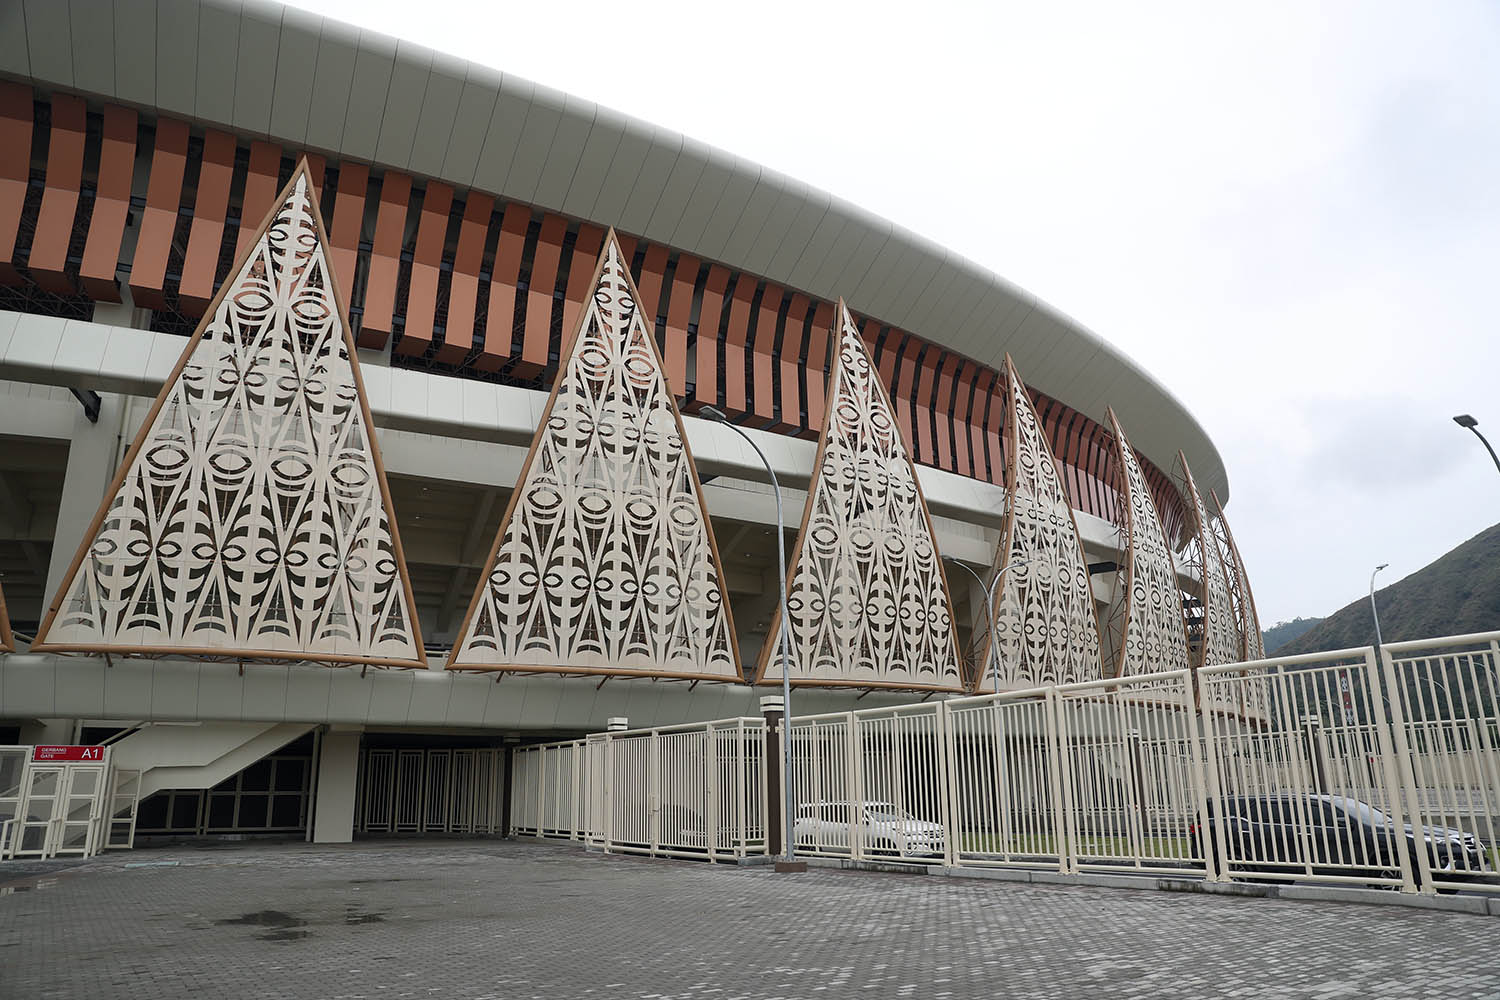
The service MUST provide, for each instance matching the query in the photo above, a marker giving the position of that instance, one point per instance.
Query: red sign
(57, 755)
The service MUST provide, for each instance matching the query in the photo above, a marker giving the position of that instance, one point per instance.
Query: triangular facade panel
(868, 599)
(605, 561)
(1216, 629)
(1150, 632)
(1252, 643)
(251, 518)
(1046, 625)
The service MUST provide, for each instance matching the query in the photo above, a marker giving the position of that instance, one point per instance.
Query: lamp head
(712, 414)
(1464, 420)
(1381, 567)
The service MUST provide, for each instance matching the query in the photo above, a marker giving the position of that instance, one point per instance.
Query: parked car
(1333, 834)
(881, 827)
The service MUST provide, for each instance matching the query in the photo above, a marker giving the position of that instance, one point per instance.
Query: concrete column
(338, 767)
(92, 461)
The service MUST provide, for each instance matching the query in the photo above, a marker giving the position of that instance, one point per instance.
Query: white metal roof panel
(296, 72)
(188, 60)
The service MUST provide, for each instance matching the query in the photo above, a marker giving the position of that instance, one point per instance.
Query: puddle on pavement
(277, 926)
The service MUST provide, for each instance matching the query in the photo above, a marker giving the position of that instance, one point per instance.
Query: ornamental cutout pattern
(1048, 632)
(1218, 632)
(605, 561)
(868, 599)
(1252, 643)
(251, 518)
(1153, 637)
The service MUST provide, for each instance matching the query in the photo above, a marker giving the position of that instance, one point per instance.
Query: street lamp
(1375, 611)
(989, 606)
(1464, 420)
(786, 660)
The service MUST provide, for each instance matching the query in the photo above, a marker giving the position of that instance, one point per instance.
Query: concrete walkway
(505, 920)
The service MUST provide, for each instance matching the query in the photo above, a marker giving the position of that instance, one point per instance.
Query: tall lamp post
(1375, 611)
(1464, 420)
(993, 664)
(786, 661)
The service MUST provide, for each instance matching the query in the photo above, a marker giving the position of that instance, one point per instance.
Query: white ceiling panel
(593, 164)
(624, 168)
(701, 203)
(333, 80)
(737, 193)
(49, 34)
(374, 62)
(14, 58)
(218, 55)
(93, 30)
(403, 104)
(681, 183)
(471, 123)
(819, 242)
(650, 181)
(435, 123)
(254, 89)
(463, 123)
(810, 214)
(572, 133)
(743, 231)
(779, 219)
(176, 55)
(500, 139)
(296, 74)
(538, 128)
(134, 24)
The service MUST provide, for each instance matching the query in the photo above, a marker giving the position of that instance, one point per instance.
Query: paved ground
(509, 920)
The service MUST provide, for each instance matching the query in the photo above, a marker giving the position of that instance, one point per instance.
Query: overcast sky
(1287, 212)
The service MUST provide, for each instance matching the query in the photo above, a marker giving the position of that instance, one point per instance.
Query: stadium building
(360, 418)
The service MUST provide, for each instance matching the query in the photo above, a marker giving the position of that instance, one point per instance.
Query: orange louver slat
(54, 223)
(463, 293)
(385, 260)
(101, 251)
(679, 313)
(206, 236)
(15, 171)
(499, 326)
(148, 269)
(537, 335)
(421, 298)
(706, 384)
(793, 339)
(348, 224)
(260, 191)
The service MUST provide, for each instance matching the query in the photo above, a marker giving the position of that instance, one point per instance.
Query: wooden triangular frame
(1252, 643)
(7, 638)
(1213, 580)
(457, 655)
(240, 275)
(1005, 555)
(1172, 631)
(842, 321)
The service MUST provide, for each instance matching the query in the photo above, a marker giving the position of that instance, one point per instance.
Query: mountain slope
(1281, 633)
(1456, 594)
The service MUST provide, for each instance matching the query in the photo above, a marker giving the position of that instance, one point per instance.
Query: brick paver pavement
(515, 920)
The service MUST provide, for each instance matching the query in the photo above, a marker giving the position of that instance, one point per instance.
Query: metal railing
(1346, 767)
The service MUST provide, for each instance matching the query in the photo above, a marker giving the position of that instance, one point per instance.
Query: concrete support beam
(338, 766)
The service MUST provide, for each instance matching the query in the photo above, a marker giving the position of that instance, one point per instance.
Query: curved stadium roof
(261, 69)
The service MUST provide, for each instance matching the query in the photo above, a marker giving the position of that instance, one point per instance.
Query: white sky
(1289, 212)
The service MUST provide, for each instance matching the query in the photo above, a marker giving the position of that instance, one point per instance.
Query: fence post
(773, 708)
(1210, 793)
(711, 793)
(1396, 750)
(854, 774)
(1312, 752)
(948, 795)
(1062, 784)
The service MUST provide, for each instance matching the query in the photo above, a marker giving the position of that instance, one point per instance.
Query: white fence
(1337, 767)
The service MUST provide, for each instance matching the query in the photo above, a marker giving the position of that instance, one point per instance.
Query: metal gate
(61, 810)
(429, 791)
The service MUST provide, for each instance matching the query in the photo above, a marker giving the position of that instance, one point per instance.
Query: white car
(879, 828)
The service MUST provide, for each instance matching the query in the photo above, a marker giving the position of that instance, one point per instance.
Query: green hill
(1456, 594)
(1281, 633)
